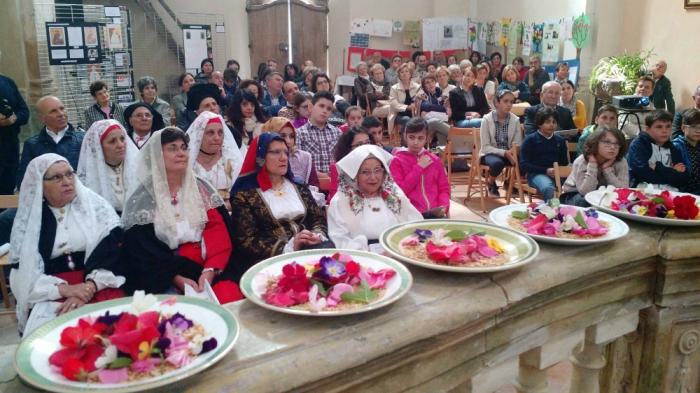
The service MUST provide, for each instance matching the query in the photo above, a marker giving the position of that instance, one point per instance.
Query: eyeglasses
(695, 128)
(175, 149)
(277, 152)
(58, 178)
(358, 144)
(610, 144)
(368, 172)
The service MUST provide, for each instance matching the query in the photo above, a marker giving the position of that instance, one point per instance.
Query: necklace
(279, 192)
(205, 153)
(373, 208)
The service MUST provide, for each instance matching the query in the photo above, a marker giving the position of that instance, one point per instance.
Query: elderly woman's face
(370, 177)
(277, 158)
(378, 75)
(175, 157)
(114, 147)
(59, 184)
(149, 93)
(141, 120)
(213, 138)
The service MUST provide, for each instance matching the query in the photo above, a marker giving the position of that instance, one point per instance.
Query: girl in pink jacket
(420, 173)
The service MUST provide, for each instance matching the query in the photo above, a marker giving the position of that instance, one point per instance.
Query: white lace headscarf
(96, 215)
(229, 149)
(93, 171)
(149, 201)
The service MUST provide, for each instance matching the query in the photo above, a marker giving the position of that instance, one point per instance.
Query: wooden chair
(559, 172)
(478, 171)
(6, 202)
(450, 155)
(519, 182)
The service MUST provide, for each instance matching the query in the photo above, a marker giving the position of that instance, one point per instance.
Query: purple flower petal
(209, 345)
(109, 319)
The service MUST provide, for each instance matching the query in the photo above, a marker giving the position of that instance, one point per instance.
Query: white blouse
(219, 175)
(351, 231)
(116, 180)
(285, 203)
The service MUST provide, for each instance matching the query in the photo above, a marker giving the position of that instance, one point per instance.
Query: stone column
(587, 360)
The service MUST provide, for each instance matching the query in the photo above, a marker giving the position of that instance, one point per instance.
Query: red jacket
(427, 188)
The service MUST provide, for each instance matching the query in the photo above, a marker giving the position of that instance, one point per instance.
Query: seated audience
(273, 100)
(551, 93)
(601, 164)
(376, 100)
(65, 245)
(484, 81)
(179, 103)
(214, 154)
(690, 150)
(443, 80)
(273, 214)
(401, 97)
(217, 78)
(519, 65)
(231, 82)
(246, 116)
(420, 173)
(318, 136)
(178, 231)
(392, 73)
(368, 201)
(103, 108)
(292, 73)
(540, 150)
(662, 97)
(254, 87)
(377, 59)
(431, 99)
(375, 128)
(467, 102)
(300, 161)
(302, 109)
(289, 89)
(653, 159)
(455, 75)
(576, 107)
(633, 124)
(206, 67)
(353, 118)
(322, 83)
(201, 97)
(561, 72)
(307, 78)
(500, 130)
(451, 59)
(535, 78)
(349, 141)
(678, 117)
(361, 83)
(605, 118)
(148, 91)
(512, 82)
(108, 162)
(142, 120)
(474, 57)
(496, 66)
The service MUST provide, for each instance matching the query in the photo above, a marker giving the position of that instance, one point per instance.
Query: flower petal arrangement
(453, 247)
(653, 203)
(559, 221)
(124, 347)
(331, 283)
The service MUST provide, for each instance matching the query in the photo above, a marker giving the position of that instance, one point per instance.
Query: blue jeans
(473, 123)
(544, 184)
(574, 198)
(495, 163)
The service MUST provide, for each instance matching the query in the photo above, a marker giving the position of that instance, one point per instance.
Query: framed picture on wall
(692, 3)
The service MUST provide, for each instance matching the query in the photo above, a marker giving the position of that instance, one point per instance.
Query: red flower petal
(60, 357)
(92, 352)
(74, 370)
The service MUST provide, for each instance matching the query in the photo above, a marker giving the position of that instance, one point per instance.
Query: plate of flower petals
(129, 344)
(648, 205)
(459, 246)
(326, 282)
(560, 224)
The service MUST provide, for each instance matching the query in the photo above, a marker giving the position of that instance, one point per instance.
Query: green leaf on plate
(580, 220)
(520, 214)
(457, 235)
(363, 294)
(321, 290)
(120, 363)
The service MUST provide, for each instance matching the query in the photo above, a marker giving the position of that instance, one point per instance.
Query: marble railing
(626, 314)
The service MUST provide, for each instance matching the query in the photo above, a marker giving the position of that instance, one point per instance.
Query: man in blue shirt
(13, 114)
(273, 100)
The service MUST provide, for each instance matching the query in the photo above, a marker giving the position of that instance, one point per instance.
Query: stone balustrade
(626, 314)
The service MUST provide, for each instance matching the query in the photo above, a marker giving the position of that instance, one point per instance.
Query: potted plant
(618, 75)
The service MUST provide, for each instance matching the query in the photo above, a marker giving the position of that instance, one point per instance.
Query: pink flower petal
(169, 301)
(117, 375)
(337, 290)
(146, 365)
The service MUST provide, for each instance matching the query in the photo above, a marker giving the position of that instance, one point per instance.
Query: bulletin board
(74, 43)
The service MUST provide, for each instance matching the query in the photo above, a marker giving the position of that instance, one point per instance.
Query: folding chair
(519, 182)
(559, 172)
(478, 171)
(459, 137)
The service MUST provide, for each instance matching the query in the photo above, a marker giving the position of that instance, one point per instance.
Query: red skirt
(78, 276)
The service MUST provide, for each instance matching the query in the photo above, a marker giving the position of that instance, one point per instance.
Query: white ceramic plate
(594, 198)
(32, 356)
(616, 229)
(253, 281)
(521, 248)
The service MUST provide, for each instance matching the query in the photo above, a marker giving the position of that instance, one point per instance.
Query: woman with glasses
(368, 201)
(214, 154)
(348, 141)
(274, 214)
(178, 232)
(141, 121)
(65, 244)
(300, 161)
(601, 164)
(108, 162)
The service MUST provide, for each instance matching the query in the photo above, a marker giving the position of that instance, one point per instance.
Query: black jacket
(459, 104)
(564, 119)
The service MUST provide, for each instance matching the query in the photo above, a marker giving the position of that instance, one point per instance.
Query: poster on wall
(73, 43)
(527, 39)
(197, 43)
(373, 27)
(550, 42)
(445, 33)
(481, 40)
(515, 35)
(473, 34)
(412, 33)
(537, 38)
(114, 36)
(504, 37)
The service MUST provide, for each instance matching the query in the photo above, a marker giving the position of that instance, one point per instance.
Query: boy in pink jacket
(420, 173)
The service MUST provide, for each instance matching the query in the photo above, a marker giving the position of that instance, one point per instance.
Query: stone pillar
(531, 378)
(587, 360)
